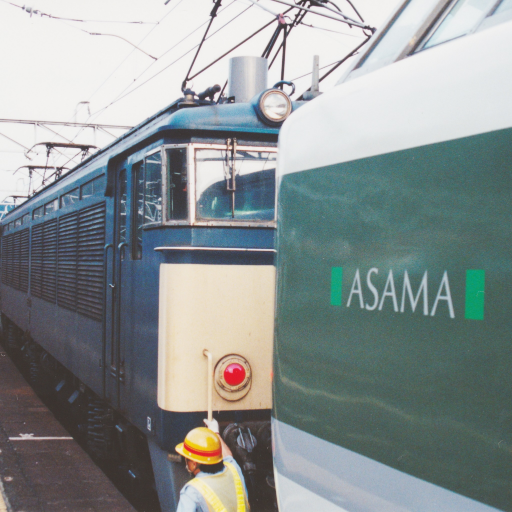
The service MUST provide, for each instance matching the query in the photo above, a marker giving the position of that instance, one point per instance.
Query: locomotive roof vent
(247, 77)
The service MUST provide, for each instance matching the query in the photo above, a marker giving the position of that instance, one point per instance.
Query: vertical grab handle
(104, 316)
(210, 383)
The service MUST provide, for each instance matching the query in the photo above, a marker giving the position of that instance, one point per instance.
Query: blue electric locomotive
(143, 280)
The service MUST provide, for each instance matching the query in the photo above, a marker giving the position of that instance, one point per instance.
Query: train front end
(392, 362)
(214, 247)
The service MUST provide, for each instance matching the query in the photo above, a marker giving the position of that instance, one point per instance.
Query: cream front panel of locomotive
(227, 310)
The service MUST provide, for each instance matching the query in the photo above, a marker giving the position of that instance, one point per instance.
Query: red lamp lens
(234, 374)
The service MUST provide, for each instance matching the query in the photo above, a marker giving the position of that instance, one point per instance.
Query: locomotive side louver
(67, 261)
(24, 260)
(44, 260)
(36, 266)
(15, 260)
(49, 291)
(91, 240)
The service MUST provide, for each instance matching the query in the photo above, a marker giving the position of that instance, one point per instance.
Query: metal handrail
(117, 340)
(104, 320)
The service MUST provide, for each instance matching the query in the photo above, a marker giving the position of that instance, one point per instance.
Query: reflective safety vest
(223, 492)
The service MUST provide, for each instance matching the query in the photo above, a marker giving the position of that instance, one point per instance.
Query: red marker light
(234, 374)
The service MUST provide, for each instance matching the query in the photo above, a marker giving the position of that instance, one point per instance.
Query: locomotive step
(41, 467)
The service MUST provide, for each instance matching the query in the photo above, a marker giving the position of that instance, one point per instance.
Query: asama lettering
(400, 298)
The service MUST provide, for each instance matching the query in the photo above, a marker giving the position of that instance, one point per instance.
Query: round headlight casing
(274, 106)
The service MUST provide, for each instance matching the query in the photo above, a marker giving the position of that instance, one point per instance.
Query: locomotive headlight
(233, 377)
(275, 105)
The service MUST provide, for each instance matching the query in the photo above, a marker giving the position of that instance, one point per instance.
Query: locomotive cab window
(137, 209)
(177, 180)
(460, 19)
(235, 184)
(506, 5)
(153, 188)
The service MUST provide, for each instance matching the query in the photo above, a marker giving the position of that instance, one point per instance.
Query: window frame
(88, 182)
(136, 168)
(422, 33)
(164, 188)
(68, 193)
(191, 187)
(55, 202)
(428, 34)
(37, 211)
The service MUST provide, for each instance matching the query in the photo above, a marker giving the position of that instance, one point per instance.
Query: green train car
(393, 352)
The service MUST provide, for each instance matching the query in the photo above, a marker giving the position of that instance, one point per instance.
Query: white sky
(49, 66)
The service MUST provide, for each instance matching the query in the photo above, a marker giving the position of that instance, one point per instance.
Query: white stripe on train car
(454, 90)
(311, 471)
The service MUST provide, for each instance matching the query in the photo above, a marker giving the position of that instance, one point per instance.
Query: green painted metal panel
(404, 375)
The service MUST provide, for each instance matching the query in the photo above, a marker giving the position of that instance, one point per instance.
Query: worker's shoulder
(191, 500)
(232, 461)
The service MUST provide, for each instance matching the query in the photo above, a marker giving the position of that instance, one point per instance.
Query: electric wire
(40, 13)
(123, 61)
(342, 20)
(355, 10)
(122, 96)
(330, 30)
(232, 49)
(181, 41)
(336, 11)
(103, 34)
(130, 54)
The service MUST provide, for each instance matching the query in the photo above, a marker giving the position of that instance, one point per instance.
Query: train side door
(116, 253)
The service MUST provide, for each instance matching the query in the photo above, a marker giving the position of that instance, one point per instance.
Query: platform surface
(42, 469)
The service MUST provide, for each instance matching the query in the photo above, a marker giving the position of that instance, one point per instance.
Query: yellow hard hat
(201, 445)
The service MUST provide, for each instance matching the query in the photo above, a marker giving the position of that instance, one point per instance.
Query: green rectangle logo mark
(475, 294)
(336, 285)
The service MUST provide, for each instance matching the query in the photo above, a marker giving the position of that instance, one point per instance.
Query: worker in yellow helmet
(219, 484)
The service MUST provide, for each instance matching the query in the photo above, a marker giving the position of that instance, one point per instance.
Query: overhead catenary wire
(126, 58)
(118, 97)
(195, 47)
(330, 30)
(111, 35)
(40, 13)
(318, 13)
(234, 48)
(122, 96)
(129, 55)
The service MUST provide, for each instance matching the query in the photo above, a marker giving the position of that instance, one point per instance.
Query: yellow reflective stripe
(208, 495)
(240, 494)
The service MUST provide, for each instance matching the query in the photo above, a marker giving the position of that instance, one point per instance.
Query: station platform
(42, 469)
